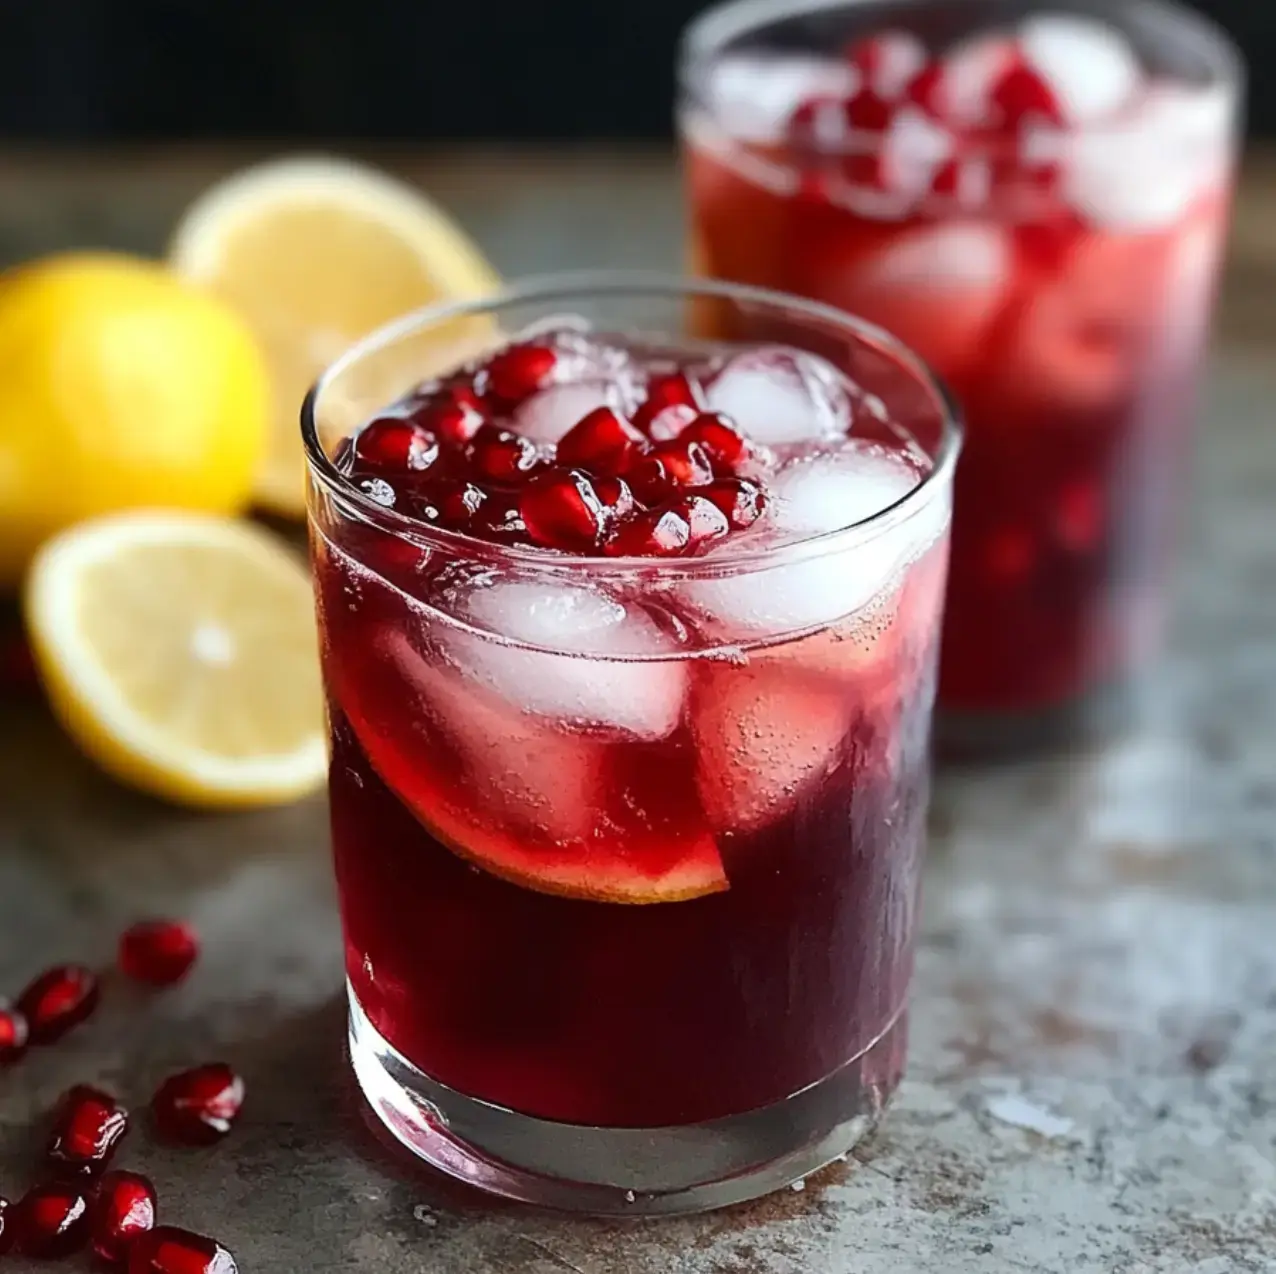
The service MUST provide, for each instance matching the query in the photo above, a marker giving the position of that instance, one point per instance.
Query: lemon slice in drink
(315, 254)
(179, 651)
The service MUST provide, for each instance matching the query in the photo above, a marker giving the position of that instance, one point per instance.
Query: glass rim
(704, 37)
(563, 286)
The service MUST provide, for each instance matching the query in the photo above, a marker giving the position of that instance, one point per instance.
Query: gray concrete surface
(1093, 1079)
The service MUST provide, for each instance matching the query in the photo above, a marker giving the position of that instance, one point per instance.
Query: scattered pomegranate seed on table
(14, 1034)
(87, 1131)
(51, 1220)
(59, 999)
(197, 1107)
(168, 1250)
(158, 952)
(123, 1207)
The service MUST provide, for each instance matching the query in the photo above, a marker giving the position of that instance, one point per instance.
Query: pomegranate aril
(159, 952)
(888, 61)
(393, 444)
(499, 455)
(378, 490)
(715, 433)
(168, 1250)
(450, 504)
(197, 1107)
(663, 392)
(123, 1207)
(658, 533)
(518, 372)
(453, 414)
(561, 510)
(686, 462)
(740, 500)
(498, 519)
(51, 1221)
(6, 1225)
(615, 495)
(14, 1034)
(87, 1131)
(1021, 95)
(59, 999)
(868, 112)
(820, 125)
(604, 443)
(705, 521)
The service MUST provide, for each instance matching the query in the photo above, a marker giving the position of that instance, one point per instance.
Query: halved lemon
(179, 650)
(316, 253)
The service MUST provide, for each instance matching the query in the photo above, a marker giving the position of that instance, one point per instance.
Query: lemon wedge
(316, 253)
(179, 650)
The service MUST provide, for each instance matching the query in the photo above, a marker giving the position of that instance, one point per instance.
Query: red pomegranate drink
(1033, 197)
(629, 635)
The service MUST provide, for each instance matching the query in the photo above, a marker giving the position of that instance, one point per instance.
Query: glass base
(626, 1171)
(1094, 717)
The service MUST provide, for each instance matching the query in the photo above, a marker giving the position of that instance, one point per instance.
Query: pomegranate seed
(378, 490)
(59, 999)
(168, 1250)
(705, 521)
(715, 433)
(87, 1131)
(518, 372)
(927, 90)
(604, 442)
(561, 510)
(393, 444)
(739, 499)
(498, 455)
(1022, 95)
(160, 952)
(820, 125)
(6, 1225)
(51, 1220)
(664, 392)
(887, 61)
(498, 519)
(659, 533)
(686, 462)
(867, 112)
(453, 415)
(13, 1034)
(450, 504)
(615, 496)
(123, 1207)
(198, 1106)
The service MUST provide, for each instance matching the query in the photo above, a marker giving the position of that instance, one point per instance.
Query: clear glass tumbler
(629, 914)
(1033, 195)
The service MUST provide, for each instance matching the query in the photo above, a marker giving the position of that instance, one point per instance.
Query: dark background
(399, 70)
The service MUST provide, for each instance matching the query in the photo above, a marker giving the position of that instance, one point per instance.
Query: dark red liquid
(793, 960)
(1077, 372)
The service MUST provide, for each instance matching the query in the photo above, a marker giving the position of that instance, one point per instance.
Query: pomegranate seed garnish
(450, 504)
(393, 444)
(198, 1107)
(663, 392)
(615, 495)
(60, 998)
(168, 1250)
(6, 1225)
(1022, 95)
(927, 88)
(604, 442)
(498, 455)
(453, 415)
(123, 1207)
(686, 462)
(378, 490)
(867, 112)
(14, 1034)
(561, 510)
(159, 952)
(659, 533)
(887, 61)
(820, 125)
(739, 499)
(498, 519)
(88, 1129)
(715, 433)
(518, 372)
(51, 1220)
(705, 521)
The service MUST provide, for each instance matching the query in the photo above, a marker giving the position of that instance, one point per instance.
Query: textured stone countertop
(1093, 1077)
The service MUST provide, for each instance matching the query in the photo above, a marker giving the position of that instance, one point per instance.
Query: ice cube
(970, 73)
(777, 395)
(1088, 64)
(812, 496)
(914, 149)
(754, 97)
(570, 653)
(763, 737)
(937, 288)
(548, 415)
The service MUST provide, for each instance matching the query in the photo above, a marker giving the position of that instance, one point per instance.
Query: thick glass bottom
(626, 1171)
